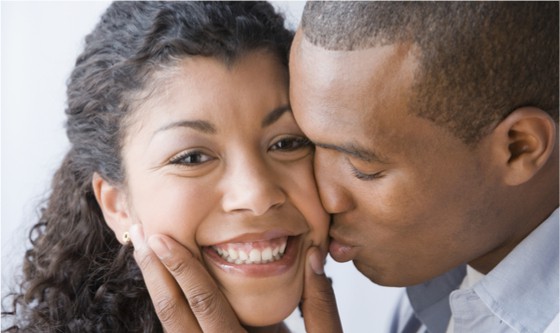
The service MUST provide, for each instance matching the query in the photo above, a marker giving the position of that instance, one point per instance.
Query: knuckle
(144, 261)
(166, 310)
(324, 299)
(327, 298)
(322, 306)
(327, 293)
(176, 267)
(203, 303)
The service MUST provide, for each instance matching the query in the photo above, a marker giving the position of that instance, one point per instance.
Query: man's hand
(318, 303)
(185, 296)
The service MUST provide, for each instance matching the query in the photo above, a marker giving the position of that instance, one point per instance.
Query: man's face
(409, 200)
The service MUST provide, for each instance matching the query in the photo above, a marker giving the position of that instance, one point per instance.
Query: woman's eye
(191, 158)
(291, 143)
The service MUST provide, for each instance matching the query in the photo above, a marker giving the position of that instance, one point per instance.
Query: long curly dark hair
(77, 276)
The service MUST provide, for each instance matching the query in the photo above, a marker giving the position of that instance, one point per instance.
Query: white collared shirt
(521, 294)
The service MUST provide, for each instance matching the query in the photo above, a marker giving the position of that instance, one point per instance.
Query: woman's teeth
(252, 253)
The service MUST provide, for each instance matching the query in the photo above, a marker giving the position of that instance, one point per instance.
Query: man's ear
(114, 206)
(525, 141)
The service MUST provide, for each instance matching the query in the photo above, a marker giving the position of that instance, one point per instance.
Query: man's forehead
(373, 60)
(339, 95)
(361, 78)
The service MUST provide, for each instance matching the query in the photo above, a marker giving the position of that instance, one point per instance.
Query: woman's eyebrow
(208, 128)
(198, 125)
(274, 115)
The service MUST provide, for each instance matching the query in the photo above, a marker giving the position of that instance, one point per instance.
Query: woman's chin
(264, 302)
(261, 294)
(265, 310)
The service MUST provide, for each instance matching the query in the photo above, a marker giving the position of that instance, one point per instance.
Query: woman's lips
(260, 252)
(257, 259)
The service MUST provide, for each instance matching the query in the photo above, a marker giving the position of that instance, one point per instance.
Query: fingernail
(159, 247)
(316, 263)
(136, 235)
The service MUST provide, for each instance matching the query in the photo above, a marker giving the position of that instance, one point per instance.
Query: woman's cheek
(312, 208)
(318, 220)
(322, 231)
(180, 229)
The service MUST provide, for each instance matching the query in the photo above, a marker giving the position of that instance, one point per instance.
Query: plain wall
(39, 44)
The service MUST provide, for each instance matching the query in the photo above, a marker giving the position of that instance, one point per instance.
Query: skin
(240, 180)
(409, 200)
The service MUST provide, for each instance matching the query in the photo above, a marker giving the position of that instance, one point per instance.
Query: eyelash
(301, 142)
(180, 159)
(364, 176)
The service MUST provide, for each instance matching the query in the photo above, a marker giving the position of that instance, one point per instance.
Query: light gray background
(39, 44)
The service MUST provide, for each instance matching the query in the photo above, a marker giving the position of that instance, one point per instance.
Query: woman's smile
(256, 259)
(258, 252)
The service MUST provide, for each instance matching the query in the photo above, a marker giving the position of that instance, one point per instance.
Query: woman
(179, 121)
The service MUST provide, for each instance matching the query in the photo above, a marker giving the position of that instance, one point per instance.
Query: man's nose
(330, 176)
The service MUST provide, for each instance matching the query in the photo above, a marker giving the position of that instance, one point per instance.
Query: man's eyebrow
(198, 125)
(354, 151)
(274, 115)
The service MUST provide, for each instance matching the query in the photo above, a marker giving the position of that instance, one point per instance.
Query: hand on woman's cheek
(185, 297)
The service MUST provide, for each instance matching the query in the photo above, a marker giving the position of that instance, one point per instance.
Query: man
(436, 127)
(436, 133)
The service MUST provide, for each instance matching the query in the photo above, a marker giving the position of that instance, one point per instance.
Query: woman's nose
(252, 187)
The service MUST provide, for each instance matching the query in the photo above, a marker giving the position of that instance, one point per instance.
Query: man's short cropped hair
(478, 61)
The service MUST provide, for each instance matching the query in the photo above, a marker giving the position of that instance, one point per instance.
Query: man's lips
(340, 250)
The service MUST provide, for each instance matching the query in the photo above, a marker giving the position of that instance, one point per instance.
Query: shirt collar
(529, 273)
(430, 300)
(523, 288)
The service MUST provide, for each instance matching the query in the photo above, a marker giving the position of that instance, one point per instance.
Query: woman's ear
(113, 203)
(525, 141)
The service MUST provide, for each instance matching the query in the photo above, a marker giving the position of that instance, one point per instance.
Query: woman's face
(214, 159)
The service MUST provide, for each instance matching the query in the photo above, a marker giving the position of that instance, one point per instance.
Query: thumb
(318, 304)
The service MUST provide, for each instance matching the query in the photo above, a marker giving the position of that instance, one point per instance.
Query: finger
(169, 302)
(208, 304)
(319, 304)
